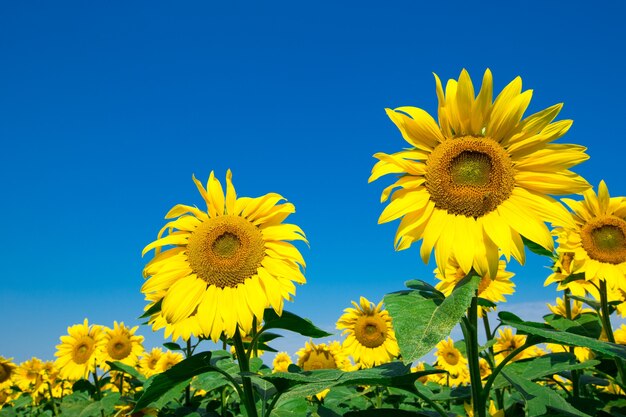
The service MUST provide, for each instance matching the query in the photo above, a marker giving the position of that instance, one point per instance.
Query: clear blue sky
(107, 109)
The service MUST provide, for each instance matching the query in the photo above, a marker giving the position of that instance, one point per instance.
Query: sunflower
(492, 289)
(7, 368)
(485, 369)
(455, 378)
(507, 342)
(582, 354)
(120, 344)
(479, 180)
(370, 338)
(226, 265)
(80, 351)
(148, 362)
(28, 375)
(281, 362)
(323, 356)
(168, 360)
(561, 275)
(449, 358)
(576, 308)
(596, 236)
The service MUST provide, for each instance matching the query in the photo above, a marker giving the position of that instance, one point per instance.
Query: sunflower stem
(244, 367)
(470, 326)
(98, 390)
(575, 372)
(492, 357)
(188, 387)
(55, 410)
(605, 317)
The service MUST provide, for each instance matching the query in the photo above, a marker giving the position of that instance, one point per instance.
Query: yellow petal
(231, 194)
(216, 195)
(403, 202)
(182, 298)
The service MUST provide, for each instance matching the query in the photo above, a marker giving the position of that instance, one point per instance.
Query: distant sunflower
(479, 180)
(323, 356)
(7, 367)
(449, 358)
(121, 344)
(561, 275)
(370, 338)
(281, 362)
(227, 264)
(168, 360)
(576, 308)
(492, 289)
(28, 375)
(80, 351)
(507, 342)
(596, 236)
(148, 362)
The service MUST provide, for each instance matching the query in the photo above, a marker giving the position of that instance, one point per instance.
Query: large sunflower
(227, 264)
(120, 344)
(369, 336)
(595, 235)
(80, 351)
(479, 180)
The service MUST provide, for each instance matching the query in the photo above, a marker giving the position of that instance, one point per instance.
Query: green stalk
(492, 359)
(575, 372)
(469, 325)
(188, 387)
(244, 367)
(55, 410)
(606, 324)
(495, 372)
(98, 390)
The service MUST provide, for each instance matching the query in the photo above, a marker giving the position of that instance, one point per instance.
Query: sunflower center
(319, 360)
(469, 176)
(82, 351)
(452, 358)
(370, 331)
(5, 372)
(119, 348)
(226, 250)
(604, 239)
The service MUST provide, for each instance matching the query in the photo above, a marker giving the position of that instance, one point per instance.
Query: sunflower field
(477, 186)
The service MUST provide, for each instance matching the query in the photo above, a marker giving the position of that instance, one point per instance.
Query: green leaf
(587, 324)
(292, 322)
(172, 346)
(174, 379)
(72, 405)
(121, 367)
(536, 248)
(540, 399)
(590, 302)
(542, 366)
(103, 407)
(427, 289)
(296, 407)
(420, 322)
(548, 334)
(156, 307)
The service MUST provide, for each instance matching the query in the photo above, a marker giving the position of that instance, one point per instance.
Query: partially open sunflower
(480, 179)
(222, 267)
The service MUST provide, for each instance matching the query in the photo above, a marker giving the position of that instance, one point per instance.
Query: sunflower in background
(149, 360)
(281, 362)
(28, 375)
(370, 338)
(121, 344)
(477, 182)
(167, 360)
(507, 342)
(80, 351)
(7, 368)
(595, 235)
(226, 264)
(323, 356)
(492, 289)
(449, 358)
(576, 308)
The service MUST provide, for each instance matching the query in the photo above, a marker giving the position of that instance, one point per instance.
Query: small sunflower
(121, 344)
(370, 338)
(80, 351)
(226, 265)
(457, 378)
(168, 360)
(485, 369)
(419, 367)
(492, 289)
(148, 362)
(561, 275)
(582, 354)
(323, 356)
(28, 375)
(281, 362)
(7, 368)
(576, 308)
(481, 179)
(507, 342)
(449, 358)
(596, 236)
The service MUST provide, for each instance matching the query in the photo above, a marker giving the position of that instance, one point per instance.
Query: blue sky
(106, 110)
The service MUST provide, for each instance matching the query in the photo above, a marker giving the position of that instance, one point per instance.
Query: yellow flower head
(226, 264)
(28, 375)
(576, 308)
(582, 354)
(121, 344)
(168, 360)
(449, 358)
(476, 182)
(507, 342)
(370, 338)
(148, 362)
(7, 368)
(492, 289)
(323, 356)
(80, 351)
(281, 362)
(595, 233)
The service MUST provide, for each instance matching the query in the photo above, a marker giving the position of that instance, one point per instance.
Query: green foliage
(292, 322)
(421, 319)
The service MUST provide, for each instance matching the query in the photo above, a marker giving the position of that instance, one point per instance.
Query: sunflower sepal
(154, 309)
(537, 248)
